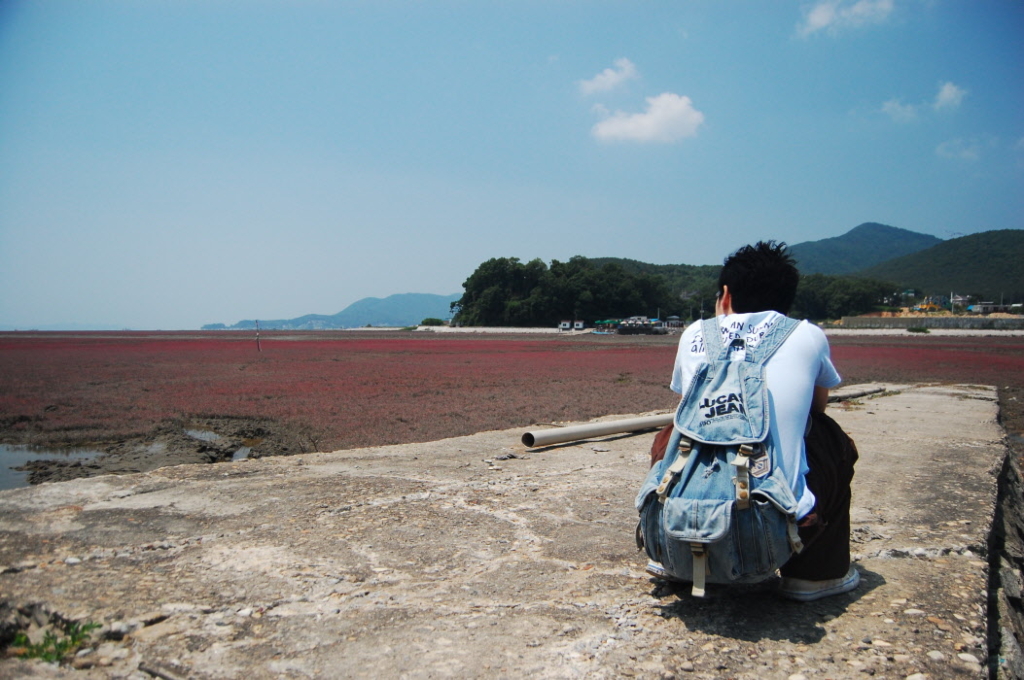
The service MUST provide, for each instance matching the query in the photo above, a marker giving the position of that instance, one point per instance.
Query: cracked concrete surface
(474, 556)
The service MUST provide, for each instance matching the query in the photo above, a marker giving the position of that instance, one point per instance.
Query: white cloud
(959, 149)
(949, 96)
(610, 78)
(898, 111)
(836, 15)
(669, 117)
(818, 17)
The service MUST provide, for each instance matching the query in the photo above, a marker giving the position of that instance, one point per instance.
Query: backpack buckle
(742, 478)
(683, 455)
(700, 569)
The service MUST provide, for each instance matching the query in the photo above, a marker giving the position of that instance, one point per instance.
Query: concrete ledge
(946, 322)
(472, 557)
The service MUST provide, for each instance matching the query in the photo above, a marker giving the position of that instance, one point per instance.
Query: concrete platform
(473, 557)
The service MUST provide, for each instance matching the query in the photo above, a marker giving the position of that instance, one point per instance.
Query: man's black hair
(760, 277)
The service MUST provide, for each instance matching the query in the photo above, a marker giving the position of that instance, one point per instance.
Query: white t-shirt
(797, 367)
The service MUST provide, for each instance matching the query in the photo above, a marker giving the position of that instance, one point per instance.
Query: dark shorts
(825, 532)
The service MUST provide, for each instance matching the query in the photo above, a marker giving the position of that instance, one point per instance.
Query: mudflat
(148, 400)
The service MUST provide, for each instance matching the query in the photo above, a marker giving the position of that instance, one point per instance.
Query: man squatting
(819, 468)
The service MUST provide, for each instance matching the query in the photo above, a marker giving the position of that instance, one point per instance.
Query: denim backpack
(717, 508)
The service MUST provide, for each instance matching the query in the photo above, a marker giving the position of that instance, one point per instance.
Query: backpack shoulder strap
(713, 348)
(772, 340)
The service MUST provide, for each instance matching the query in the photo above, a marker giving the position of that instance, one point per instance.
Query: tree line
(505, 291)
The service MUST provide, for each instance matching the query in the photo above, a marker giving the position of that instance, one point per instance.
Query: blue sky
(167, 164)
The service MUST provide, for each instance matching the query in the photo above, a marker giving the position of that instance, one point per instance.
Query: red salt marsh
(333, 390)
(338, 390)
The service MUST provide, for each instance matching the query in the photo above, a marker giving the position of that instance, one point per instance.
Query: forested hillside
(863, 246)
(821, 297)
(687, 280)
(989, 265)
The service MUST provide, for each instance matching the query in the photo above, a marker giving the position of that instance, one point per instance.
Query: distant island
(403, 309)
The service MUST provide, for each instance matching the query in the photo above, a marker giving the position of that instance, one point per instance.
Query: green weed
(53, 647)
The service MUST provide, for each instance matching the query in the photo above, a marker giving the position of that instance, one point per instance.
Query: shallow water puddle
(204, 435)
(16, 455)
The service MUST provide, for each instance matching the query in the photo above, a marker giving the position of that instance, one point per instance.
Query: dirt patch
(1011, 411)
(178, 442)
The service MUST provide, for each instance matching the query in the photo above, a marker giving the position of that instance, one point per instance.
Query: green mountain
(862, 247)
(405, 309)
(989, 265)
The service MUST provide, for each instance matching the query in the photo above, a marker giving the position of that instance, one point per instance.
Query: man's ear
(724, 304)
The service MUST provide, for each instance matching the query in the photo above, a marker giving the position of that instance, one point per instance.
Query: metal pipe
(560, 435)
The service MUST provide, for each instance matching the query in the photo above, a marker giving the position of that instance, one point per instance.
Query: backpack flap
(775, 490)
(725, 406)
(694, 520)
